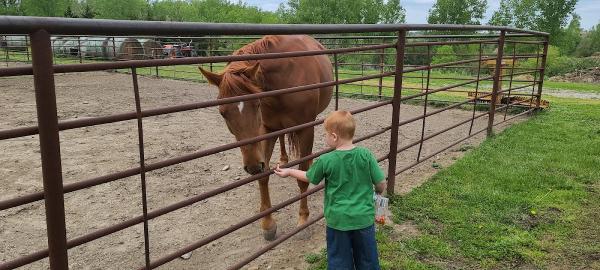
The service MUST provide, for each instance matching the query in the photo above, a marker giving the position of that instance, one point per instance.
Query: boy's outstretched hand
(285, 172)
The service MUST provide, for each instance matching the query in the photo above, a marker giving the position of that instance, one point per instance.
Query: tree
(171, 10)
(119, 9)
(503, 16)
(312, 11)
(45, 8)
(393, 12)
(79, 9)
(444, 54)
(87, 12)
(457, 12)
(10, 7)
(341, 11)
(590, 42)
(553, 15)
(69, 13)
(541, 15)
(571, 36)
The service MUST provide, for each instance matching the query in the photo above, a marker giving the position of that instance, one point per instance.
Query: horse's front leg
(268, 224)
(304, 212)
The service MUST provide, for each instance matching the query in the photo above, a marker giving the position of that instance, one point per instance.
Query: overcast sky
(417, 10)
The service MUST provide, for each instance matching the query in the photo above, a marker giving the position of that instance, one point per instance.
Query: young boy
(350, 173)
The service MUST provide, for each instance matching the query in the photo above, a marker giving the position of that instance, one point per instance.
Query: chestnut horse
(257, 117)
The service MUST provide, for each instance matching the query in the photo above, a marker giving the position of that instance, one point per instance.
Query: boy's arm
(377, 175)
(298, 174)
(380, 187)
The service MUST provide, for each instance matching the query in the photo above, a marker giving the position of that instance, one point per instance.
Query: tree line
(556, 17)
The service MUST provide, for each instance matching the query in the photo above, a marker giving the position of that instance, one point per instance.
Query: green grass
(578, 87)
(499, 205)
(529, 197)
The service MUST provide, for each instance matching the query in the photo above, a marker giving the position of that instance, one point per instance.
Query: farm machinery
(178, 50)
(505, 98)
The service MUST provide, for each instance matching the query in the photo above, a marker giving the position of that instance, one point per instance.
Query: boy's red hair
(341, 123)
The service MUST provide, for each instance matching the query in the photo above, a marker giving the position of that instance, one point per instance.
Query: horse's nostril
(255, 169)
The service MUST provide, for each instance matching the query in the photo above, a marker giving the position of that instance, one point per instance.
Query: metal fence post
(381, 70)
(476, 88)
(400, 47)
(542, 69)
(209, 54)
(79, 49)
(154, 56)
(114, 49)
(27, 47)
(497, 82)
(138, 110)
(337, 79)
(362, 74)
(43, 76)
(6, 51)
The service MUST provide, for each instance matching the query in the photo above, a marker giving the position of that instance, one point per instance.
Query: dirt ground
(94, 151)
(589, 75)
(571, 94)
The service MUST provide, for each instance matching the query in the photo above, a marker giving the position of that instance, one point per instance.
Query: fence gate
(410, 54)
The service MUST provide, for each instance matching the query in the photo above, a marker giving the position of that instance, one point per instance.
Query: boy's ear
(334, 136)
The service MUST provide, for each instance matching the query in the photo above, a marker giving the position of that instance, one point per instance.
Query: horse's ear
(212, 78)
(254, 72)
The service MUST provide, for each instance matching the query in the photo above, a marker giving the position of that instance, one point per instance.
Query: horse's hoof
(270, 234)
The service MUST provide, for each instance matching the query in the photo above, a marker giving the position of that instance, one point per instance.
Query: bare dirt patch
(94, 151)
(571, 94)
(590, 75)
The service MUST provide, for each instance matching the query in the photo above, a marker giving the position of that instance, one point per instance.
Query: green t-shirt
(349, 178)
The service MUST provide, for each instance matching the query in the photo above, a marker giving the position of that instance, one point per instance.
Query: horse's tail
(293, 145)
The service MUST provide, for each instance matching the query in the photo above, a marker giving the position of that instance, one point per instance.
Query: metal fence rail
(73, 49)
(39, 31)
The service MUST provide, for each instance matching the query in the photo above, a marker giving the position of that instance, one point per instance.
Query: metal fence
(93, 49)
(399, 46)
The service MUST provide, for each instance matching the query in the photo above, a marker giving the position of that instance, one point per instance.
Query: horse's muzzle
(255, 169)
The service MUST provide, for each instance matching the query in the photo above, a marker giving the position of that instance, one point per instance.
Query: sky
(417, 10)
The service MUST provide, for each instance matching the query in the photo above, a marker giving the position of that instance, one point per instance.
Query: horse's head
(243, 119)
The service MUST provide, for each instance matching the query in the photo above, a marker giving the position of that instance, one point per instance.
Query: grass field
(528, 198)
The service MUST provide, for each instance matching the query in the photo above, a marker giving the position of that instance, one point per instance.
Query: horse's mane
(258, 46)
(237, 84)
(234, 82)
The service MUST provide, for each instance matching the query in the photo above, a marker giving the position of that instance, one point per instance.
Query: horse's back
(298, 71)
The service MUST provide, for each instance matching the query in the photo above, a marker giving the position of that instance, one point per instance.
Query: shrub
(559, 65)
(444, 54)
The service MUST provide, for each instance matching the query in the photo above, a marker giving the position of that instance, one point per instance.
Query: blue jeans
(349, 250)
